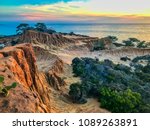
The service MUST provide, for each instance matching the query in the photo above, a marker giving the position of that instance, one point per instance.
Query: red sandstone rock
(32, 92)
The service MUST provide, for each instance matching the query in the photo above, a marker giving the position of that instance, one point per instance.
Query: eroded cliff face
(35, 37)
(18, 64)
(128, 52)
(51, 66)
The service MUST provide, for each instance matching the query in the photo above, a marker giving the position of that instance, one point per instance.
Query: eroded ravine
(60, 98)
(45, 74)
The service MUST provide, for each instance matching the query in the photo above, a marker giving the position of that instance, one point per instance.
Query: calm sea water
(122, 31)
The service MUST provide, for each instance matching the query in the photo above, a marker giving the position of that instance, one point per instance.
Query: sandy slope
(62, 102)
(67, 53)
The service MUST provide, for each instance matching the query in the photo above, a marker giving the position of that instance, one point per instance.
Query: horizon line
(74, 22)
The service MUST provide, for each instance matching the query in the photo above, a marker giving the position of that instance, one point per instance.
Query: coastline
(122, 31)
(45, 62)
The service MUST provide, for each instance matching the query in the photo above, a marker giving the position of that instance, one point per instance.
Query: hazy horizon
(88, 17)
(122, 31)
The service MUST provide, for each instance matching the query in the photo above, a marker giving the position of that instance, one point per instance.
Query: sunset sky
(98, 11)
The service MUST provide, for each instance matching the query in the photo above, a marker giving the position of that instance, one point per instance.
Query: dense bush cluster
(122, 101)
(119, 88)
(134, 42)
(138, 58)
(99, 45)
(130, 42)
(77, 93)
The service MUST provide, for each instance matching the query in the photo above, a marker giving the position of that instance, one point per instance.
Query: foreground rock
(18, 64)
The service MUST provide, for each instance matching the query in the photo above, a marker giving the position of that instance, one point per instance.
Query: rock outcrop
(50, 65)
(86, 39)
(35, 37)
(128, 52)
(18, 64)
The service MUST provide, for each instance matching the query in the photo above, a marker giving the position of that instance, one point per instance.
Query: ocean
(122, 31)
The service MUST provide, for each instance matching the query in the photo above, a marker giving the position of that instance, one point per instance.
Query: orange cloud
(105, 10)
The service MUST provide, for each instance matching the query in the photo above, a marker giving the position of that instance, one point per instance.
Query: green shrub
(22, 27)
(76, 93)
(128, 43)
(99, 45)
(145, 108)
(134, 39)
(126, 101)
(78, 67)
(142, 44)
(1, 79)
(138, 58)
(5, 90)
(146, 69)
(113, 38)
(131, 82)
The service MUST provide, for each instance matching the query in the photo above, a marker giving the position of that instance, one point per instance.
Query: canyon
(41, 66)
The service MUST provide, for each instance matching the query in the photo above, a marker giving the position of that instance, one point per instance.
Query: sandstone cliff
(50, 65)
(18, 64)
(44, 38)
(128, 52)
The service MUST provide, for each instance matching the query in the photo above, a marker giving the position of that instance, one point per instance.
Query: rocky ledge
(32, 94)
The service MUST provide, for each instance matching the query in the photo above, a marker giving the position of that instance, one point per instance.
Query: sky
(90, 11)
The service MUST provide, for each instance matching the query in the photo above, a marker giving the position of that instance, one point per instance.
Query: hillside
(41, 66)
(18, 64)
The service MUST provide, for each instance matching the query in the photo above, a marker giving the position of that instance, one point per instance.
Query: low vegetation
(134, 42)
(119, 88)
(101, 43)
(144, 58)
(112, 40)
(2, 46)
(41, 27)
(125, 58)
(22, 27)
(4, 90)
(120, 101)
